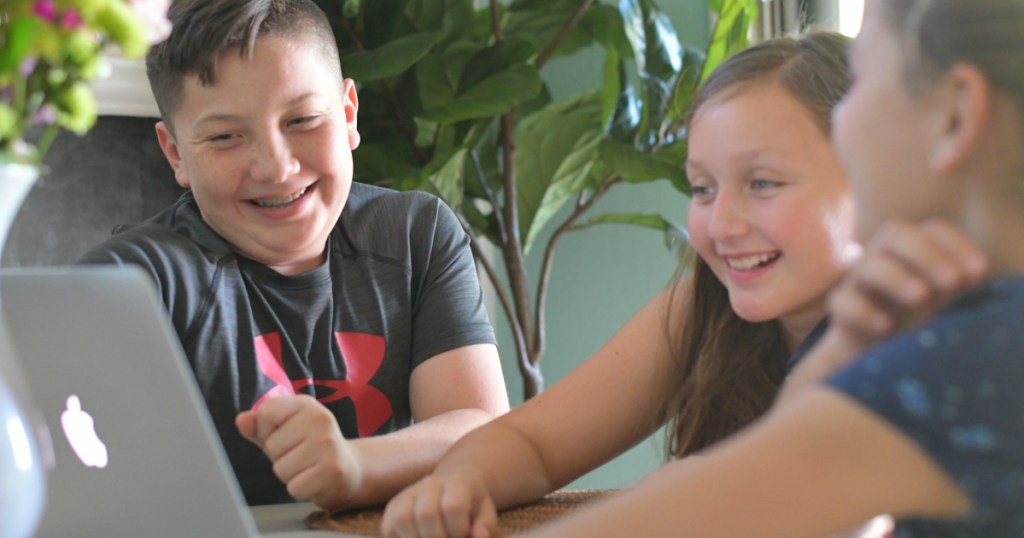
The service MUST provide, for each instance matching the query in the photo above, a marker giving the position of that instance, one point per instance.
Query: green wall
(602, 275)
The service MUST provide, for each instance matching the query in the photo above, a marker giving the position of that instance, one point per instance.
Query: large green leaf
(390, 59)
(557, 146)
(636, 166)
(445, 177)
(494, 59)
(677, 239)
(686, 83)
(492, 97)
(730, 32)
(647, 82)
(644, 220)
(439, 73)
(377, 163)
(540, 22)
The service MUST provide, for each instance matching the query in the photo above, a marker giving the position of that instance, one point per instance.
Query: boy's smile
(280, 201)
(266, 151)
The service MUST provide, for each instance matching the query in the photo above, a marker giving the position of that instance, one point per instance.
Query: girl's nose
(728, 218)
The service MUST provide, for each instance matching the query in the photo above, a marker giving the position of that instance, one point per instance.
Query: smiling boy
(336, 330)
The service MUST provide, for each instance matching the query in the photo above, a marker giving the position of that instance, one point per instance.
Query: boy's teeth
(749, 262)
(280, 201)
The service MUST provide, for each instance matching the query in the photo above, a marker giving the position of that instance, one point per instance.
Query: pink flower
(153, 14)
(46, 115)
(70, 19)
(46, 10)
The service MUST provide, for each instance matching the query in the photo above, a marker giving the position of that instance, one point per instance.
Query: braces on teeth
(280, 201)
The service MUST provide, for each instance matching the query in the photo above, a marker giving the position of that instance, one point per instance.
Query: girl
(927, 425)
(771, 221)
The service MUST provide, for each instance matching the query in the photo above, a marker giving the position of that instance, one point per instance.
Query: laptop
(134, 450)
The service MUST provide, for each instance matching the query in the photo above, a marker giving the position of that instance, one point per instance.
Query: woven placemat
(511, 521)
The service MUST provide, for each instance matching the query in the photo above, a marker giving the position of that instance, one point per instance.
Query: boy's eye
(303, 121)
(220, 138)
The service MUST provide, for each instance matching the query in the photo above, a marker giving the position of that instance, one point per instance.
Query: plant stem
(512, 244)
(582, 206)
(478, 253)
(549, 51)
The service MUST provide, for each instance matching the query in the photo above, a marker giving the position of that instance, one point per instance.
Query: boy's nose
(273, 159)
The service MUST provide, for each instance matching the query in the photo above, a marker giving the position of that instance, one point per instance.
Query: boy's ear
(351, 103)
(170, 148)
(967, 113)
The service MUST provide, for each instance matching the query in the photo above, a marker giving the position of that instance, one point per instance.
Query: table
(290, 519)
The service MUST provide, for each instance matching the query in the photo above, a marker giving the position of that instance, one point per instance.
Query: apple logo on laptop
(81, 434)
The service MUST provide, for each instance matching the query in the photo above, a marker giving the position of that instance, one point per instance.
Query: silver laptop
(135, 452)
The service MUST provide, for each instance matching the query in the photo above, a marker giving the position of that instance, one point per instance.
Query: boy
(311, 309)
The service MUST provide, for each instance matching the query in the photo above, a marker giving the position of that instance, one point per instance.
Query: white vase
(22, 472)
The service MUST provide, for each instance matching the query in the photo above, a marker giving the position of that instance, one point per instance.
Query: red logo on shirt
(362, 353)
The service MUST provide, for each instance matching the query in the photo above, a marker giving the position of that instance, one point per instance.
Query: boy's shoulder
(176, 232)
(392, 224)
(364, 197)
(372, 209)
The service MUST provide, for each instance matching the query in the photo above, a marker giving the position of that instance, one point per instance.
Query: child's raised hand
(302, 439)
(453, 505)
(904, 275)
(907, 272)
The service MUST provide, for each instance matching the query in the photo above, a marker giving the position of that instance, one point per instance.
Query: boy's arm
(818, 464)
(450, 394)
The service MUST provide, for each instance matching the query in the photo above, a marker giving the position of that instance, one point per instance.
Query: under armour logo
(363, 355)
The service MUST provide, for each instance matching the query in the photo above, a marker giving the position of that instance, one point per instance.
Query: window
(850, 14)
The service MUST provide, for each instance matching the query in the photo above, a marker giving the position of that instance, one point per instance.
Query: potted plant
(49, 51)
(452, 102)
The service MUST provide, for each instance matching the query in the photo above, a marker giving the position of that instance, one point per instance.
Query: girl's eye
(702, 192)
(763, 184)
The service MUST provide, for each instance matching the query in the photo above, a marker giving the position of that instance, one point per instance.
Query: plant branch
(513, 247)
(492, 275)
(512, 244)
(495, 208)
(549, 51)
(532, 378)
(539, 342)
(496, 21)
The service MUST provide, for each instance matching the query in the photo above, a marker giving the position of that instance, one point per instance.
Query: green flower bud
(8, 122)
(56, 77)
(80, 46)
(77, 109)
(123, 26)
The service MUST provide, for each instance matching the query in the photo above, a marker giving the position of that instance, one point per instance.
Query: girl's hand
(451, 505)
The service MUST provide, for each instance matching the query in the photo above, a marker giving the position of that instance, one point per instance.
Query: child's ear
(172, 152)
(351, 103)
(967, 113)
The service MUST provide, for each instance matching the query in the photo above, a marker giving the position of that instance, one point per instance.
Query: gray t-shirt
(399, 286)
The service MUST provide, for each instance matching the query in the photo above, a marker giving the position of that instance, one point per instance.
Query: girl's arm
(817, 464)
(599, 410)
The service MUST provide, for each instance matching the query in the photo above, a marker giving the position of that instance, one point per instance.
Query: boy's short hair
(203, 29)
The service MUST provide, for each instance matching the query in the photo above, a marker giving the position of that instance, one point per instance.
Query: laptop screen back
(135, 453)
